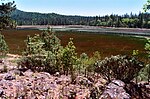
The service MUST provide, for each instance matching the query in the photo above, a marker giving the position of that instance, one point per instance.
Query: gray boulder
(115, 90)
(9, 76)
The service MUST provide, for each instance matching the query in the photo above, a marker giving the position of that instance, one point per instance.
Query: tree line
(11, 17)
(141, 20)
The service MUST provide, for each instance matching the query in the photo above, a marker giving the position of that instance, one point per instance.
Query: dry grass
(85, 42)
(15, 39)
(106, 44)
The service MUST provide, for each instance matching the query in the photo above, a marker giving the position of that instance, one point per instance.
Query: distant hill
(130, 21)
(34, 18)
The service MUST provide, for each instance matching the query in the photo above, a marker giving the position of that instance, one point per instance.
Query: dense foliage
(141, 20)
(146, 6)
(45, 53)
(119, 67)
(5, 11)
(42, 53)
(31, 18)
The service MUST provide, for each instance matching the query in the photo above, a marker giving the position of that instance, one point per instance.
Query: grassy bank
(85, 42)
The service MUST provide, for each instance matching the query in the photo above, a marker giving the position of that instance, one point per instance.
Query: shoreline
(93, 29)
(80, 26)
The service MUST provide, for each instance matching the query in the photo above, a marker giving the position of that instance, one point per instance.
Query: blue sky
(81, 7)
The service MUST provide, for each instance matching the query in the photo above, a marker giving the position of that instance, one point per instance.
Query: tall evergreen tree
(5, 10)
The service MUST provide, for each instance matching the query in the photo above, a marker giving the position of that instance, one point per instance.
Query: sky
(81, 7)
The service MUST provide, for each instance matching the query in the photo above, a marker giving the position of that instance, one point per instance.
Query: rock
(139, 91)
(58, 81)
(42, 85)
(16, 72)
(98, 88)
(72, 95)
(119, 83)
(1, 92)
(91, 79)
(57, 74)
(28, 73)
(65, 79)
(115, 90)
(9, 77)
(83, 81)
(1, 61)
(45, 75)
(29, 84)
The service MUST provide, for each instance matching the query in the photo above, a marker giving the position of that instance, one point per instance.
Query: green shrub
(3, 46)
(51, 42)
(147, 68)
(144, 73)
(46, 41)
(83, 62)
(119, 67)
(91, 62)
(42, 53)
(86, 64)
(69, 59)
(40, 63)
(147, 47)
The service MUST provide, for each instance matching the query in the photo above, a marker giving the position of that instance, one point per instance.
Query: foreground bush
(3, 46)
(42, 53)
(45, 53)
(69, 58)
(119, 67)
(144, 73)
(147, 68)
(86, 64)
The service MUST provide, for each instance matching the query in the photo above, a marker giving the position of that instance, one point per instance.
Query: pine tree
(5, 10)
(69, 59)
(147, 6)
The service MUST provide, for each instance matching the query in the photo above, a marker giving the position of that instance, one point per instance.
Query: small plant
(119, 67)
(3, 46)
(82, 63)
(5, 69)
(86, 63)
(147, 47)
(94, 59)
(135, 52)
(69, 58)
(145, 73)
